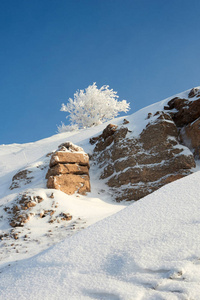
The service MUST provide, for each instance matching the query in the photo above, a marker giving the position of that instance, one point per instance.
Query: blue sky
(146, 50)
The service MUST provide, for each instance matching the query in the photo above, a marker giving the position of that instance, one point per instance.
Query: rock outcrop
(23, 176)
(191, 137)
(69, 170)
(186, 115)
(20, 213)
(135, 166)
(27, 206)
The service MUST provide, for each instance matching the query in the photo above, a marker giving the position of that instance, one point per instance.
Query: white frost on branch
(92, 107)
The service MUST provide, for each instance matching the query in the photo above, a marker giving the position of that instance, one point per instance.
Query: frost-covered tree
(92, 107)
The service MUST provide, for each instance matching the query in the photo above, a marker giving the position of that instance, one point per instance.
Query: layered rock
(69, 170)
(186, 115)
(135, 166)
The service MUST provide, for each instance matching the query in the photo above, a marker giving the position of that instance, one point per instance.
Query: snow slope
(150, 250)
(38, 234)
(147, 250)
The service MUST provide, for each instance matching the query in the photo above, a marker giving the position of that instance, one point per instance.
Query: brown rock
(42, 215)
(67, 169)
(187, 111)
(194, 92)
(30, 204)
(156, 134)
(134, 193)
(108, 131)
(177, 103)
(13, 224)
(22, 177)
(121, 165)
(107, 172)
(187, 119)
(15, 236)
(125, 122)
(172, 178)
(188, 114)
(150, 173)
(105, 139)
(69, 157)
(135, 167)
(93, 140)
(38, 199)
(149, 115)
(191, 137)
(100, 145)
(15, 209)
(20, 212)
(65, 216)
(120, 134)
(70, 183)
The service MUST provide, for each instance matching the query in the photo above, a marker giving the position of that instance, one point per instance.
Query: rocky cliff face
(135, 166)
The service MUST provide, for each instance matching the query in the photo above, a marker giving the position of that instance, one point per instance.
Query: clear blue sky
(146, 50)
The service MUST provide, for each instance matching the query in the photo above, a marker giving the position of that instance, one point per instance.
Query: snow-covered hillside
(38, 234)
(145, 250)
(150, 250)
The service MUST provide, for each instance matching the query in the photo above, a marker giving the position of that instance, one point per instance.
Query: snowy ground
(150, 250)
(146, 250)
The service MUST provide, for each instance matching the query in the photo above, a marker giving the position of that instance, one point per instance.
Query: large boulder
(69, 170)
(135, 166)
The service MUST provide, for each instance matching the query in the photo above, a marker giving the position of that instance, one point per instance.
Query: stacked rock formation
(132, 166)
(69, 170)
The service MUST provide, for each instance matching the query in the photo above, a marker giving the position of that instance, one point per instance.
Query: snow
(145, 250)
(149, 250)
